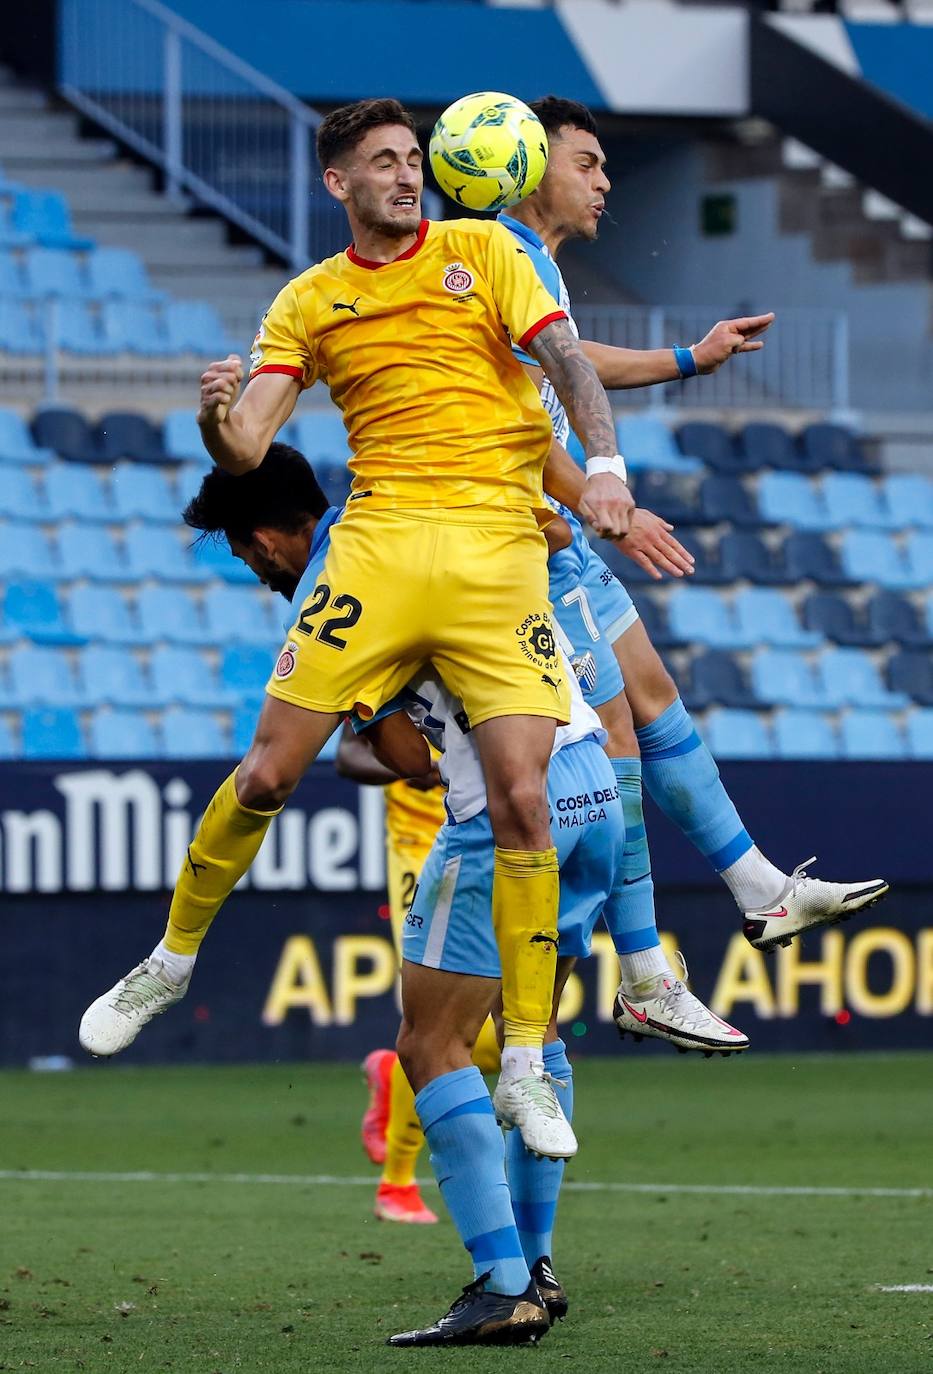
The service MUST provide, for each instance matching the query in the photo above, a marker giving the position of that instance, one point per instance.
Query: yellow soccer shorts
(404, 862)
(465, 590)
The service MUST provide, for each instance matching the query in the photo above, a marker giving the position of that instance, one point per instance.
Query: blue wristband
(686, 362)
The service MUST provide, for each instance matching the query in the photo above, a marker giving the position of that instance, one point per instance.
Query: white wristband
(615, 465)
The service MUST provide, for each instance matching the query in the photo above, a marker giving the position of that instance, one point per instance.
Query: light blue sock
(682, 777)
(468, 1159)
(535, 1183)
(629, 912)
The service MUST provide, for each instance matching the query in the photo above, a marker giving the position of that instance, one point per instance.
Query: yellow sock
(404, 1136)
(486, 1050)
(227, 842)
(525, 893)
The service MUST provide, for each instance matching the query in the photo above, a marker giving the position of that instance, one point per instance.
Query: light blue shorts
(449, 925)
(593, 609)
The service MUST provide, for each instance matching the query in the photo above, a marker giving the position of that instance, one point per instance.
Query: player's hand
(219, 387)
(651, 544)
(728, 337)
(607, 504)
(426, 782)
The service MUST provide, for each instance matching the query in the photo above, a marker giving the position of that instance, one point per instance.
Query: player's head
(371, 162)
(266, 515)
(572, 194)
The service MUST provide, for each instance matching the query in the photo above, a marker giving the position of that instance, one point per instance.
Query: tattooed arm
(606, 501)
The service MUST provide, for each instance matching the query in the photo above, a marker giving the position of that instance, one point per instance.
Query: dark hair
(341, 130)
(555, 114)
(281, 494)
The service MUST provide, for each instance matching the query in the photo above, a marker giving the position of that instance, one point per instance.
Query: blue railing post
(658, 394)
(840, 365)
(300, 206)
(171, 112)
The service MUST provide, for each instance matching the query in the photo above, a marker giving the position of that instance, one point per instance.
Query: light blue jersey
(316, 556)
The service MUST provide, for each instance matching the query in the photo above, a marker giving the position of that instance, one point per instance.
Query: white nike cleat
(807, 904)
(113, 1022)
(531, 1104)
(671, 1012)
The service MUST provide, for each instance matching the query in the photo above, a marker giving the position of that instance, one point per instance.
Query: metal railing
(219, 129)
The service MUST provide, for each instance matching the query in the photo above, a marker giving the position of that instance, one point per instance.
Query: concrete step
(98, 204)
(55, 156)
(28, 128)
(165, 264)
(16, 100)
(116, 177)
(167, 238)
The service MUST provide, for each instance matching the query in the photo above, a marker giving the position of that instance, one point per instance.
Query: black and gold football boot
(481, 1318)
(550, 1287)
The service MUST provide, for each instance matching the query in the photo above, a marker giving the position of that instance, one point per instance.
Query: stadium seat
(21, 328)
(910, 500)
(33, 610)
(101, 613)
(871, 556)
(159, 552)
(9, 748)
(713, 445)
(145, 493)
(122, 734)
(238, 615)
(170, 614)
(831, 446)
(646, 442)
(737, 735)
(45, 218)
(195, 327)
(90, 551)
(919, 730)
(808, 555)
(25, 552)
(12, 283)
(119, 272)
(697, 615)
(190, 734)
(50, 733)
(765, 616)
(114, 676)
(851, 678)
(136, 327)
(181, 439)
(123, 434)
(918, 549)
(54, 272)
(891, 616)
(21, 497)
(244, 727)
(215, 559)
(42, 677)
(668, 494)
(73, 491)
(911, 673)
(831, 615)
(654, 618)
(850, 498)
(783, 677)
(746, 555)
(67, 433)
(790, 498)
(707, 570)
(804, 735)
(871, 735)
(770, 446)
(80, 330)
(321, 436)
(185, 676)
(244, 671)
(17, 444)
(726, 498)
(719, 678)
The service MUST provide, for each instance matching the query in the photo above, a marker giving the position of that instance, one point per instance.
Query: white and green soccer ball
(488, 151)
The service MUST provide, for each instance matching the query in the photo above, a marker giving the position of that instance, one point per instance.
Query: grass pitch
(229, 1273)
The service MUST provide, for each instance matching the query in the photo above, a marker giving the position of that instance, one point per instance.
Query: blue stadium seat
(17, 444)
(170, 614)
(321, 436)
(54, 272)
(90, 551)
(181, 439)
(67, 433)
(912, 674)
(25, 552)
(244, 727)
(725, 498)
(850, 498)
(80, 330)
(654, 618)
(910, 500)
(123, 434)
(50, 733)
(851, 678)
(809, 555)
(831, 446)
(145, 493)
(719, 678)
(737, 735)
(871, 735)
(669, 494)
(42, 677)
(770, 446)
(101, 613)
(765, 616)
(118, 272)
(21, 496)
(804, 735)
(746, 555)
(646, 442)
(790, 498)
(215, 559)
(831, 615)
(697, 615)
(33, 610)
(245, 670)
(919, 734)
(159, 552)
(113, 676)
(707, 568)
(21, 328)
(236, 615)
(891, 616)
(185, 676)
(136, 327)
(74, 491)
(188, 481)
(713, 445)
(12, 282)
(188, 734)
(9, 748)
(918, 548)
(783, 677)
(44, 216)
(871, 556)
(195, 327)
(122, 734)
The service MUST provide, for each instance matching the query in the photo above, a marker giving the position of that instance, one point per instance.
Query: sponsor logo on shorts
(285, 664)
(537, 643)
(415, 921)
(585, 808)
(457, 278)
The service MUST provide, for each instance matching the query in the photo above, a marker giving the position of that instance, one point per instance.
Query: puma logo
(549, 682)
(340, 305)
(194, 866)
(542, 938)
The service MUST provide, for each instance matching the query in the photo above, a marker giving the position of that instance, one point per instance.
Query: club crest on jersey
(285, 663)
(457, 278)
(536, 641)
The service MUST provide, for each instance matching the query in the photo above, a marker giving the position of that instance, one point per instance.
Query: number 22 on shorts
(349, 610)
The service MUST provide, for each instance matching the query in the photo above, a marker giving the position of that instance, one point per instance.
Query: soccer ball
(488, 151)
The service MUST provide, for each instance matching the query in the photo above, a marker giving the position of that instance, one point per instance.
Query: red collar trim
(354, 256)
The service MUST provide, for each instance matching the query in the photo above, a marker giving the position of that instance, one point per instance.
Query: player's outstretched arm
(621, 368)
(605, 501)
(237, 433)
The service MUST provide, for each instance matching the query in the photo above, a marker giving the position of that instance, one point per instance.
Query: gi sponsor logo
(537, 642)
(457, 278)
(285, 664)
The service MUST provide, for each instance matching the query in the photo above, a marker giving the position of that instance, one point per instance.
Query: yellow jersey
(417, 355)
(413, 817)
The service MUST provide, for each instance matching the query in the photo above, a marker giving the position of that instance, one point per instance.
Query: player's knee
(519, 812)
(264, 782)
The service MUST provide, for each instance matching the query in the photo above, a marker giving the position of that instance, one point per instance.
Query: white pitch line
(367, 1181)
(904, 1288)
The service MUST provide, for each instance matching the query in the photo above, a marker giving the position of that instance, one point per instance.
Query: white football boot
(531, 1105)
(113, 1022)
(807, 904)
(671, 1012)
